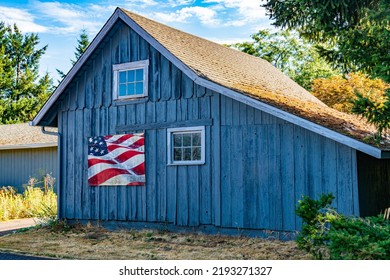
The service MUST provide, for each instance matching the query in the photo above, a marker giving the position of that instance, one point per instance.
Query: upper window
(186, 145)
(131, 79)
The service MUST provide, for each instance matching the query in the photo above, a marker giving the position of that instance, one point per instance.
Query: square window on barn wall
(130, 80)
(186, 145)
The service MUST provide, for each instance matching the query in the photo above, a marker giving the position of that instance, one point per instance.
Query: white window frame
(141, 64)
(171, 131)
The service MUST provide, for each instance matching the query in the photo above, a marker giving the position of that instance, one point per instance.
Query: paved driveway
(12, 256)
(11, 226)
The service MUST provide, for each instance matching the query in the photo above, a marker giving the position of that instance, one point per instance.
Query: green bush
(327, 234)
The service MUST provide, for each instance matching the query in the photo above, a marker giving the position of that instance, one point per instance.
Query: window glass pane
(122, 77)
(139, 75)
(122, 90)
(196, 139)
(177, 154)
(139, 88)
(196, 153)
(177, 140)
(187, 140)
(130, 76)
(130, 89)
(187, 154)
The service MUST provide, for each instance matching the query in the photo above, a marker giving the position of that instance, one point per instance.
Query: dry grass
(96, 243)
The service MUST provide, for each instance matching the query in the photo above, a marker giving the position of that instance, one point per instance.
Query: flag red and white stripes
(116, 160)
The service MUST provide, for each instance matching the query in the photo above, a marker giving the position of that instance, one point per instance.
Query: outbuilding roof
(23, 136)
(240, 76)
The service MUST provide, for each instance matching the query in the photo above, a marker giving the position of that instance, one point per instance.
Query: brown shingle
(23, 135)
(251, 76)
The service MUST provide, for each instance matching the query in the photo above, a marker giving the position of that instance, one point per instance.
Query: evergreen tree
(22, 91)
(83, 43)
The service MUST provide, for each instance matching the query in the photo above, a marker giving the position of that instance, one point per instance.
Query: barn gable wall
(257, 166)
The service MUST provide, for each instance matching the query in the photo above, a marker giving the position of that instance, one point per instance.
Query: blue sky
(59, 23)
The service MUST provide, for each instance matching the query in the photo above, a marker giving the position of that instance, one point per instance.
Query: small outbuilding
(26, 152)
(162, 128)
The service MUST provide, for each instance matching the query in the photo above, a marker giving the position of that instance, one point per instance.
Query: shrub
(39, 202)
(327, 234)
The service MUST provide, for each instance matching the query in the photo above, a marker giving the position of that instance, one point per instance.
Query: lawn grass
(87, 242)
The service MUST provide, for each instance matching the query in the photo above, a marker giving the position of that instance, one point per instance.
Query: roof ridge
(196, 36)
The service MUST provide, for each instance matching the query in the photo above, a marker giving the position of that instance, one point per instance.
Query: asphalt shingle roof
(251, 76)
(22, 135)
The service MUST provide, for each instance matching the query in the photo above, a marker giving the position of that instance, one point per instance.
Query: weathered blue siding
(18, 165)
(257, 166)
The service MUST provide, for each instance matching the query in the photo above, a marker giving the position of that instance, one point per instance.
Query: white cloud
(175, 3)
(66, 18)
(23, 19)
(248, 11)
(206, 16)
(142, 3)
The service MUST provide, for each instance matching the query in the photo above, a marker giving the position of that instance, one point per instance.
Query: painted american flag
(116, 160)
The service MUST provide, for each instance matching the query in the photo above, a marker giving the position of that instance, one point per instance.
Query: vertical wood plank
(154, 75)
(171, 178)
(70, 162)
(287, 176)
(124, 48)
(86, 196)
(182, 200)
(143, 49)
(237, 186)
(226, 189)
(300, 165)
(345, 198)
(103, 190)
(263, 185)
(329, 169)
(276, 214)
(176, 82)
(81, 91)
(250, 197)
(151, 175)
(107, 77)
(166, 85)
(78, 162)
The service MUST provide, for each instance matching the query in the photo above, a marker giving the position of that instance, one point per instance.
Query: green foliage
(357, 238)
(375, 110)
(356, 33)
(294, 56)
(22, 91)
(82, 45)
(316, 216)
(329, 235)
(38, 202)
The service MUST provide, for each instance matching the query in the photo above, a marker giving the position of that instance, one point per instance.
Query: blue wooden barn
(158, 127)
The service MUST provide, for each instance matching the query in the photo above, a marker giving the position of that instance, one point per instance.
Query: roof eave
(29, 146)
(318, 129)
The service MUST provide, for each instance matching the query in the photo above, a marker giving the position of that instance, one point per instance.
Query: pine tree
(22, 91)
(83, 43)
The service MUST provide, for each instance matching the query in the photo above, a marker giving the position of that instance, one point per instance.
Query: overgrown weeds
(35, 201)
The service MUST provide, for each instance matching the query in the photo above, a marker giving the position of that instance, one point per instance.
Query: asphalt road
(11, 226)
(12, 256)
